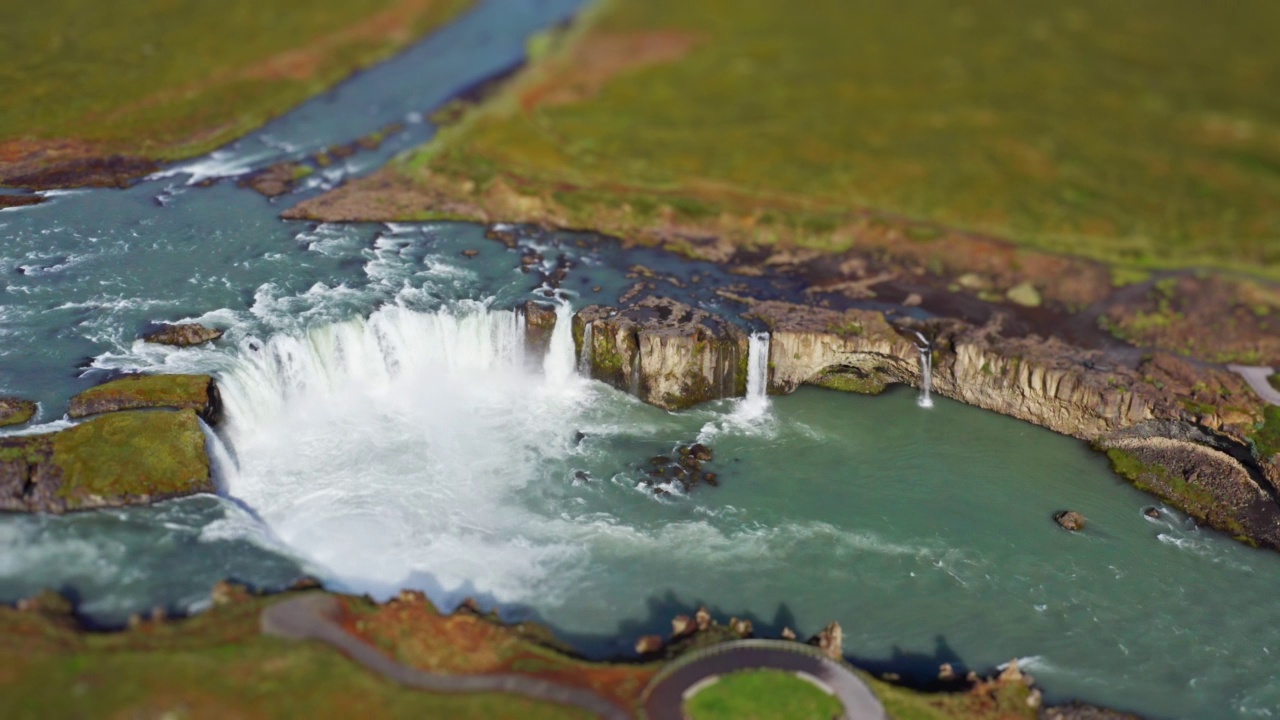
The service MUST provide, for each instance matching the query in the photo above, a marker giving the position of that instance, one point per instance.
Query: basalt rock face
(663, 352)
(1178, 429)
(539, 322)
(1209, 476)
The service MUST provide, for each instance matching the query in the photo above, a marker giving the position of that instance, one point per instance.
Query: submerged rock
(132, 392)
(183, 335)
(1069, 520)
(15, 411)
(125, 458)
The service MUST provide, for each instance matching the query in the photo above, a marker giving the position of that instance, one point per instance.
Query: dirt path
(665, 696)
(1257, 379)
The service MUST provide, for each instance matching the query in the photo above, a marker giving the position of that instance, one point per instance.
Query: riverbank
(101, 96)
(159, 664)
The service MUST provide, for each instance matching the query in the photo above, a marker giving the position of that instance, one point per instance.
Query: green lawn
(1142, 133)
(762, 695)
(171, 78)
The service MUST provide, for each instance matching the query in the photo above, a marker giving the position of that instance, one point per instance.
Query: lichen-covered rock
(663, 352)
(126, 458)
(15, 411)
(183, 335)
(132, 392)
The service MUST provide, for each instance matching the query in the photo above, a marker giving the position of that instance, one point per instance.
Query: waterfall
(758, 367)
(559, 363)
(365, 355)
(587, 356)
(926, 371)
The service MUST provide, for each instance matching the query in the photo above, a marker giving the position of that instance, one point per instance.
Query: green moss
(169, 79)
(849, 329)
(1267, 437)
(1274, 380)
(751, 694)
(145, 391)
(15, 412)
(155, 453)
(855, 382)
(1175, 490)
(1198, 408)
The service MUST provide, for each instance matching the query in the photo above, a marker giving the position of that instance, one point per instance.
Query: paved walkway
(314, 617)
(1257, 379)
(665, 696)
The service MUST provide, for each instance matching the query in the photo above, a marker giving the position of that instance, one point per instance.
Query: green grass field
(1142, 133)
(172, 78)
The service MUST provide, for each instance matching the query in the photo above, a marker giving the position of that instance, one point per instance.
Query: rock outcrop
(133, 392)
(1210, 477)
(125, 458)
(1069, 520)
(15, 411)
(663, 352)
(183, 335)
(1178, 429)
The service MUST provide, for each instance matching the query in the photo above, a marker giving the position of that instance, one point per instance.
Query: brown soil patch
(49, 164)
(466, 642)
(601, 56)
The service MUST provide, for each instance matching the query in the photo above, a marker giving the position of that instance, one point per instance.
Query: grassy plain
(761, 695)
(171, 78)
(1138, 133)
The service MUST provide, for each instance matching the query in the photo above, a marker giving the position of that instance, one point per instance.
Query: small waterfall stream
(758, 368)
(587, 356)
(926, 371)
(560, 364)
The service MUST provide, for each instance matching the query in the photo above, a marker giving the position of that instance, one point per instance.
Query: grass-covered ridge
(1139, 133)
(172, 78)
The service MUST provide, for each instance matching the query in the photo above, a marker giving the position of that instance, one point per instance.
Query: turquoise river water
(387, 428)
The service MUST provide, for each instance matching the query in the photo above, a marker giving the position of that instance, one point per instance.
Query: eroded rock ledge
(1176, 428)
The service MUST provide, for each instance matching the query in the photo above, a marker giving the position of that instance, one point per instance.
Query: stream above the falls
(387, 428)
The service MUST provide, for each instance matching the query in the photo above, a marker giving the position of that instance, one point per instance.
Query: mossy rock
(133, 392)
(854, 381)
(15, 411)
(125, 458)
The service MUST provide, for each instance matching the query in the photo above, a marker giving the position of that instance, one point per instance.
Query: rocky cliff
(1174, 427)
(663, 352)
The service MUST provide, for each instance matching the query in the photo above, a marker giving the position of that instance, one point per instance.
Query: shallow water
(386, 429)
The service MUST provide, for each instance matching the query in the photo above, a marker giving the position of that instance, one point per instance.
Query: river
(386, 428)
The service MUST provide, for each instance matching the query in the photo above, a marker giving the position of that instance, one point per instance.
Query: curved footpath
(665, 696)
(314, 617)
(1257, 379)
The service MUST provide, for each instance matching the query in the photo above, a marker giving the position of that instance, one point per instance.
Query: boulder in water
(183, 335)
(15, 411)
(649, 644)
(1069, 520)
(1152, 512)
